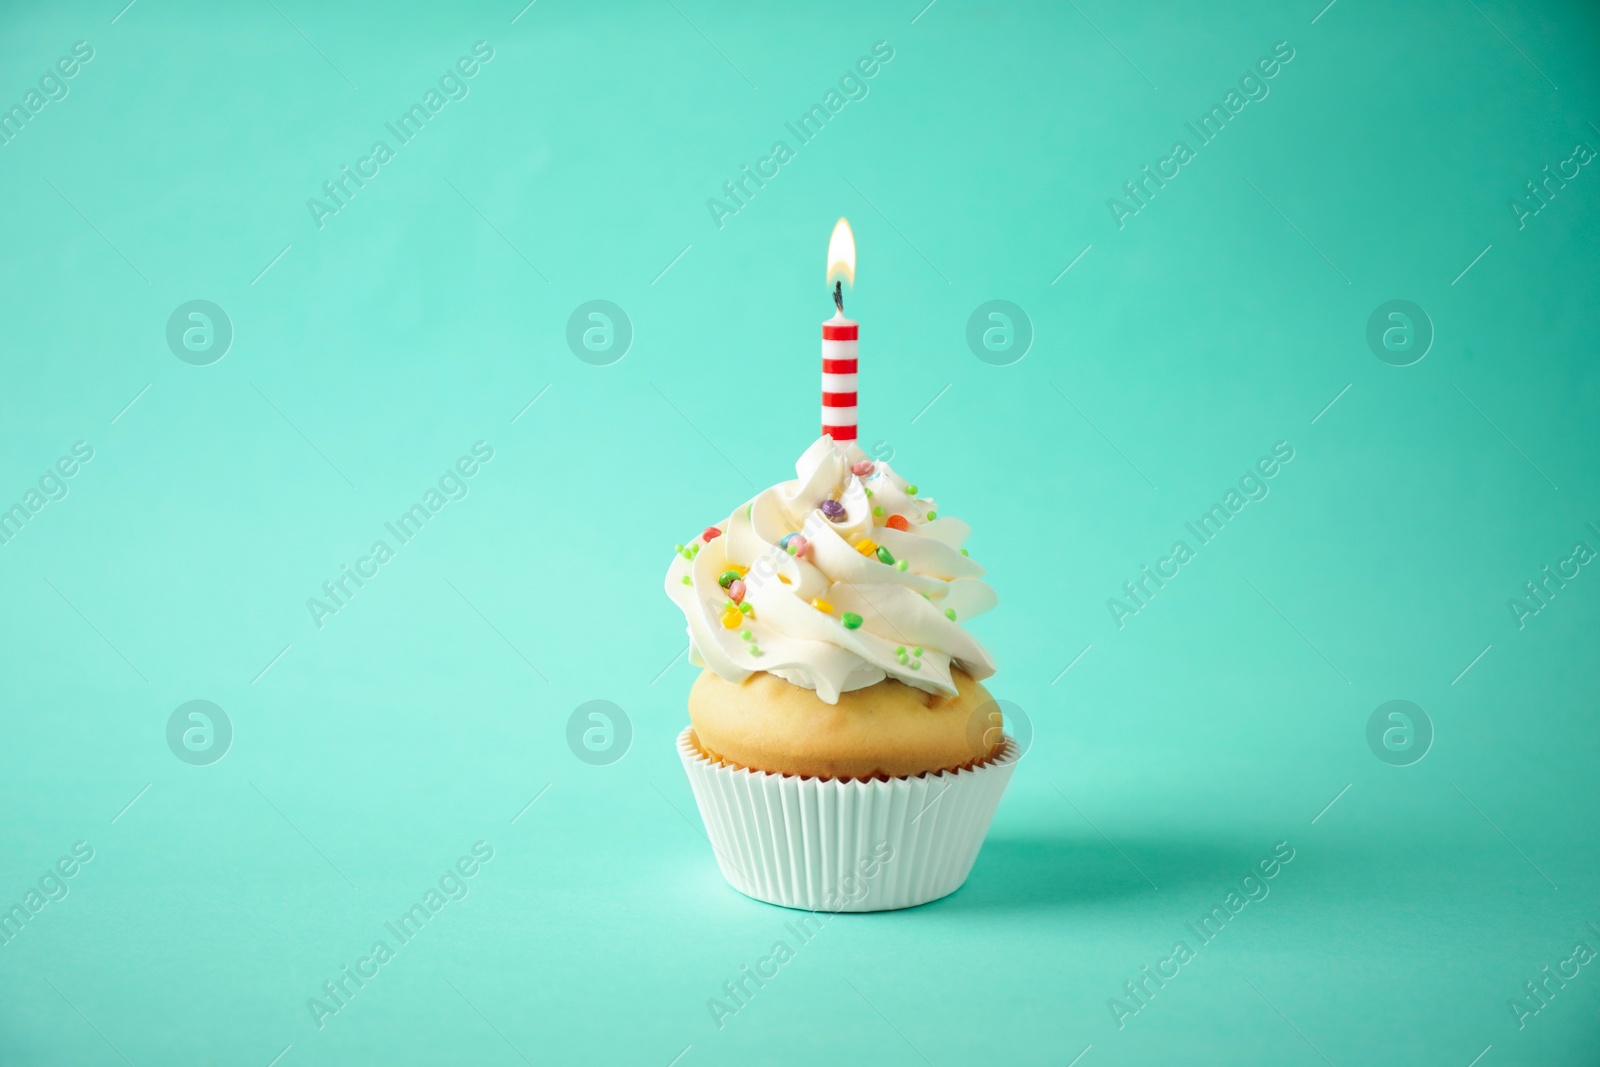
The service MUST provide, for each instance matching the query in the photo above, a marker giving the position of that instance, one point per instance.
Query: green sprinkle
(744, 607)
(687, 580)
(884, 556)
(745, 635)
(917, 651)
(916, 665)
(727, 603)
(727, 578)
(877, 511)
(963, 552)
(677, 548)
(900, 650)
(932, 515)
(754, 651)
(851, 620)
(950, 613)
(866, 490)
(911, 489)
(900, 564)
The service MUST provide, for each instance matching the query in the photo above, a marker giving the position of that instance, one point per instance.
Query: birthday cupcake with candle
(843, 751)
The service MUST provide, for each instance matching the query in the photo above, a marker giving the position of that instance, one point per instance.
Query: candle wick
(838, 296)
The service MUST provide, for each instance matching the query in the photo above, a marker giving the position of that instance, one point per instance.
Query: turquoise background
(369, 754)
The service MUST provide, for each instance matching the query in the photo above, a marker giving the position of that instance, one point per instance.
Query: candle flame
(842, 253)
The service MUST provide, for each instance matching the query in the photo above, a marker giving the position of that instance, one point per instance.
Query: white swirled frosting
(799, 615)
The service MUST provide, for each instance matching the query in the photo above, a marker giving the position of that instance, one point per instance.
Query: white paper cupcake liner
(826, 845)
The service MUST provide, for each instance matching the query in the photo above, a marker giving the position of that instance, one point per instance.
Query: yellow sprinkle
(732, 619)
(784, 580)
(822, 605)
(866, 546)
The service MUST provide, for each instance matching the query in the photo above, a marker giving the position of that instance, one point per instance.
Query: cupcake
(842, 748)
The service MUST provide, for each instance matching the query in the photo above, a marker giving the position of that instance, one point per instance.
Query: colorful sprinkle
(898, 522)
(833, 510)
(731, 619)
(687, 580)
(799, 547)
(932, 515)
(900, 564)
(862, 468)
(822, 605)
(864, 489)
(745, 607)
(916, 665)
(754, 651)
(783, 542)
(950, 613)
(866, 546)
(710, 533)
(963, 552)
(877, 512)
(745, 635)
(911, 489)
(916, 650)
(851, 620)
(884, 556)
(736, 590)
(677, 548)
(899, 650)
(727, 578)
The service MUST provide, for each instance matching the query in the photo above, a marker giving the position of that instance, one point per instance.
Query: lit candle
(839, 342)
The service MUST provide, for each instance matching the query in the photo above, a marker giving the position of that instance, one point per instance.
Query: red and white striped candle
(839, 335)
(839, 378)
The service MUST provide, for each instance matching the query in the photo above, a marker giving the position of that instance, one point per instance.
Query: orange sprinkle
(898, 522)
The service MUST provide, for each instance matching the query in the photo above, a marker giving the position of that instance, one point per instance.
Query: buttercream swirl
(836, 616)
